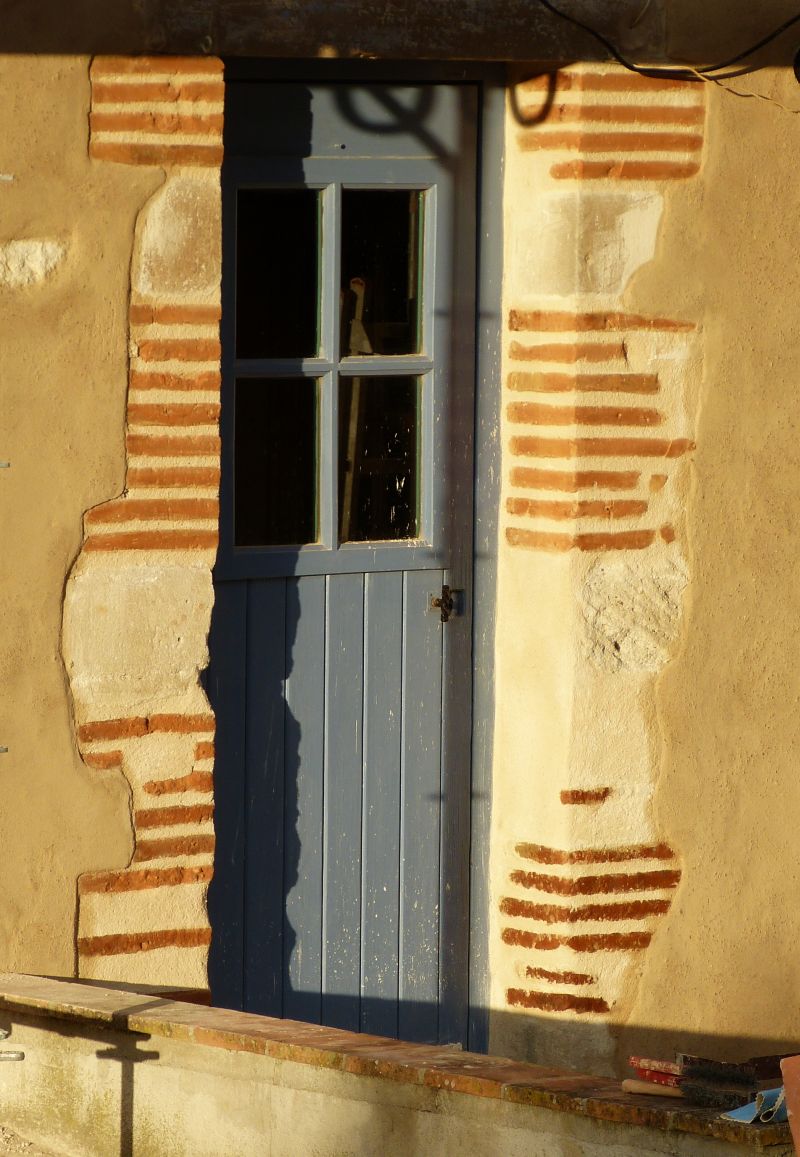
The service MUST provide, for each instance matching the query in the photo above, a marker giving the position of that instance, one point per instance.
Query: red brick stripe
(606, 142)
(568, 352)
(194, 781)
(154, 540)
(173, 476)
(173, 846)
(560, 543)
(144, 92)
(607, 82)
(558, 914)
(568, 511)
(559, 977)
(174, 414)
(172, 65)
(143, 313)
(204, 750)
(555, 321)
(624, 170)
(167, 817)
(133, 726)
(207, 380)
(155, 122)
(583, 383)
(536, 414)
(126, 943)
(165, 446)
(573, 481)
(103, 760)
(597, 885)
(536, 447)
(134, 153)
(125, 509)
(138, 881)
(543, 855)
(585, 795)
(599, 942)
(183, 349)
(632, 114)
(555, 1001)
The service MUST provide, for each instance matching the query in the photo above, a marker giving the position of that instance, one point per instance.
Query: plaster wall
(726, 706)
(659, 680)
(66, 228)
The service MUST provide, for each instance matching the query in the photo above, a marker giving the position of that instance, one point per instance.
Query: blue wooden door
(341, 640)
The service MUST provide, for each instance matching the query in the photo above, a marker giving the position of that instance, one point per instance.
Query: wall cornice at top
(647, 31)
(477, 30)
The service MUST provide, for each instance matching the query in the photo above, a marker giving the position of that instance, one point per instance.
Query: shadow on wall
(532, 1037)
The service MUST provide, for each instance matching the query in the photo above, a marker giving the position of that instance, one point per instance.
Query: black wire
(669, 73)
(753, 48)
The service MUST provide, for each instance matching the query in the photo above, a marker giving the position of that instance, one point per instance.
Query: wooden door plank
(383, 676)
(455, 832)
(265, 705)
(344, 680)
(225, 686)
(303, 756)
(419, 904)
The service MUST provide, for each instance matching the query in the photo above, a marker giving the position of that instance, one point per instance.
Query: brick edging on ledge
(435, 1067)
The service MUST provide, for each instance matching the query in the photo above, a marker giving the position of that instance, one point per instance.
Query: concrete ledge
(215, 1081)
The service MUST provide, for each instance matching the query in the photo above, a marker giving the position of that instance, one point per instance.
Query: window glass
(277, 273)
(381, 270)
(275, 461)
(378, 458)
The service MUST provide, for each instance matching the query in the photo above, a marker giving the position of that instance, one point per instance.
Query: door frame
(491, 82)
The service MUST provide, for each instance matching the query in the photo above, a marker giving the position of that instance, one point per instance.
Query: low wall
(111, 1071)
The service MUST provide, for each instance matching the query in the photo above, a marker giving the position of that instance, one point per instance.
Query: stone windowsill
(145, 1011)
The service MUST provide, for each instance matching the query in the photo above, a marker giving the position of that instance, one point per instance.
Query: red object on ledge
(790, 1067)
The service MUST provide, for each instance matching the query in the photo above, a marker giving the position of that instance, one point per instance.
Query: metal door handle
(445, 603)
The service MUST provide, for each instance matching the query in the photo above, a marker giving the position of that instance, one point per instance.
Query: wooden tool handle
(651, 1089)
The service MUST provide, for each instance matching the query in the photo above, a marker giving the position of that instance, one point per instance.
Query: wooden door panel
(265, 664)
(304, 798)
(420, 809)
(341, 905)
(383, 760)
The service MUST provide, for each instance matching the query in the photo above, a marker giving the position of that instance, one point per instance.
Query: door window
(329, 319)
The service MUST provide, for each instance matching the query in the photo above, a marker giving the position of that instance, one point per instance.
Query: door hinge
(447, 603)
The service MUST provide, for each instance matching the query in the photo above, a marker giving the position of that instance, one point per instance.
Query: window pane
(381, 270)
(277, 273)
(378, 458)
(275, 461)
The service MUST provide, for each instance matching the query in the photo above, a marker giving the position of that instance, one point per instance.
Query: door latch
(446, 603)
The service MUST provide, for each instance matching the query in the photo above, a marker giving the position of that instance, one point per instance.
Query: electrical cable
(695, 74)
